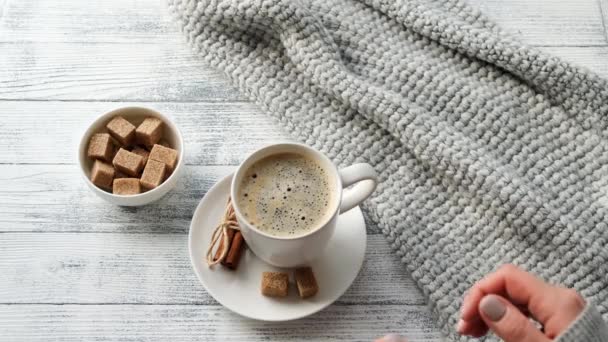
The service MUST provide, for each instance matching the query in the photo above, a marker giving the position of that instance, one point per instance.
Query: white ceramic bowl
(135, 115)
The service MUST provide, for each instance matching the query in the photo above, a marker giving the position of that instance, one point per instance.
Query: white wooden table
(74, 268)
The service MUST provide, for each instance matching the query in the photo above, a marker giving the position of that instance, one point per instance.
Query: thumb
(506, 321)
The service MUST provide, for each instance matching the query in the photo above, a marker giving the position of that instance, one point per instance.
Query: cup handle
(365, 178)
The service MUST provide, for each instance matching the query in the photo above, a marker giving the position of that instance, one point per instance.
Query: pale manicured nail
(393, 338)
(460, 327)
(492, 307)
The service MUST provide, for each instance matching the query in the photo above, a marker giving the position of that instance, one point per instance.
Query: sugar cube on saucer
(306, 282)
(275, 284)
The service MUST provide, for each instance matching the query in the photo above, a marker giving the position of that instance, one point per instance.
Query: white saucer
(239, 290)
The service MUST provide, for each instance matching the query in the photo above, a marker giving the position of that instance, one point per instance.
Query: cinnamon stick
(220, 248)
(234, 253)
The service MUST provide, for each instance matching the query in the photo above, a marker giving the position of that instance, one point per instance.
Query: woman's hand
(503, 301)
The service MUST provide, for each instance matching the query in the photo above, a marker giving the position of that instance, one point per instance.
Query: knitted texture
(488, 151)
(588, 327)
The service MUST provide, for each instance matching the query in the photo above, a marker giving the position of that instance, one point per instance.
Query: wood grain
(3, 8)
(139, 72)
(540, 22)
(604, 10)
(128, 323)
(108, 71)
(55, 198)
(127, 21)
(57, 268)
(42, 132)
(548, 22)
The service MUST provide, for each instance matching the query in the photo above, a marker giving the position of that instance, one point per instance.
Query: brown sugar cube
(166, 155)
(102, 174)
(122, 130)
(154, 174)
(128, 162)
(306, 282)
(275, 284)
(100, 147)
(142, 152)
(126, 186)
(149, 131)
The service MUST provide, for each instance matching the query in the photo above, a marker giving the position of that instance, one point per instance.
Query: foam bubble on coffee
(285, 194)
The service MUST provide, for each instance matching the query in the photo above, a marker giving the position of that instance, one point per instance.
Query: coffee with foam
(285, 194)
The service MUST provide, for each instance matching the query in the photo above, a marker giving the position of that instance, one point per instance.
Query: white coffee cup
(301, 249)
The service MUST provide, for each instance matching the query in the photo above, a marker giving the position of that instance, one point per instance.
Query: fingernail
(492, 307)
(460, 327)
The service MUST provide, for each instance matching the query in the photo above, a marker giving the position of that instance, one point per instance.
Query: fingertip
(460, 327)
(506, 321)
(468, 311)
(392, 338)
(475, 329)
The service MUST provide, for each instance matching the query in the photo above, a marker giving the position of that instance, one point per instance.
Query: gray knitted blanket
(488, 150)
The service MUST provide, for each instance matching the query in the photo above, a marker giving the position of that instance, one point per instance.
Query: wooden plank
(207, 323)
(214, 133)
(3, 8)
(111, 72)
(544, 22)
(548, 22)
(604, 9)
(115, 21)
(75, 268)
(54, 198)
(137, 72)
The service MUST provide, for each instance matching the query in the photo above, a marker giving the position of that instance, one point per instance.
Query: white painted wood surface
(118, 268)
(208, 323)
(73, 268)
